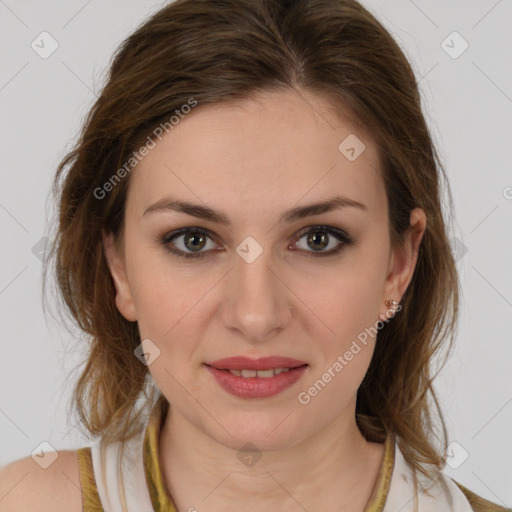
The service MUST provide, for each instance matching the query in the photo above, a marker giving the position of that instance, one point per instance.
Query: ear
(403, 259)
(116, 265)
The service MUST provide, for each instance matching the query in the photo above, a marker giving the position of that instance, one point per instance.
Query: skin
(254, 160)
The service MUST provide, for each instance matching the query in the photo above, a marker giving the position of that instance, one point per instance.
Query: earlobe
(116, 265)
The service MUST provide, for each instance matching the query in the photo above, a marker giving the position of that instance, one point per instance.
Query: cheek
(158, 287)
(346, 300)
(168, 304)
(345, 338)
(170, 299)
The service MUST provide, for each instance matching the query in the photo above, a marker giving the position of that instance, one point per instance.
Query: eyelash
(344, 239)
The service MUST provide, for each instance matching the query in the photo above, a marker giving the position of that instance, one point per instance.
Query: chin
(269, 435)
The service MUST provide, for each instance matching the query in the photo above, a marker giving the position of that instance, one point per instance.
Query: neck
(334, 470)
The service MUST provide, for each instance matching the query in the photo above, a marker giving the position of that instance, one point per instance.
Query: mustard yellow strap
(479, 504)
(158, 492)
(381, 489)
(90, 497)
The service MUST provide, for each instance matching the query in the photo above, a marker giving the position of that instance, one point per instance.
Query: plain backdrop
(461, 53)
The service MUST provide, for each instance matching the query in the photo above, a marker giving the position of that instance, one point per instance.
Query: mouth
(257, 378)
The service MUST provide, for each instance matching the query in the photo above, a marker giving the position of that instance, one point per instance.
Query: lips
(264, 363)
(257, 386)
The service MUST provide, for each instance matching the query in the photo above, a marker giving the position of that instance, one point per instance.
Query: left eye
(323, 237)
(193, 240)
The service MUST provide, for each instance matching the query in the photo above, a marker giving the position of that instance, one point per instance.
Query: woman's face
(269, 281)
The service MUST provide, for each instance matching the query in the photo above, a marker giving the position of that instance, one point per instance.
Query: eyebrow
(297, 213)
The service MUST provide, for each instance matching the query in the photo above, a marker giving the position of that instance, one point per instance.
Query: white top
(123, 486)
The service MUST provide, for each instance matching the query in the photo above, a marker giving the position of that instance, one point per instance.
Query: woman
(251, 234)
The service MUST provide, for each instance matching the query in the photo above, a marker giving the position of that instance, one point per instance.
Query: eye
(190, 242)
(321, 237)
(192, 239)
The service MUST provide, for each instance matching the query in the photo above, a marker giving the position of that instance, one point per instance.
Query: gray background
(468, 104)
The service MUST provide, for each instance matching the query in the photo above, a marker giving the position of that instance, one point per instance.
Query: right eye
(191, 239)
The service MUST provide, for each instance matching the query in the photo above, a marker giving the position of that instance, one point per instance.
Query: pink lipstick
(256, 378)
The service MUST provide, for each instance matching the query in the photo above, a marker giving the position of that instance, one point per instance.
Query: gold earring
(391, 303)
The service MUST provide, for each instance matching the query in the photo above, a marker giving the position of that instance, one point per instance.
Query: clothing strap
(91, 501)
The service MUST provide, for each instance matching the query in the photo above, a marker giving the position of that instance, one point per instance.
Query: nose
(257, 302)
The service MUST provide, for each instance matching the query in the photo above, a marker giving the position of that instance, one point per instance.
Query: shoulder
(479, 504)
(26, 485)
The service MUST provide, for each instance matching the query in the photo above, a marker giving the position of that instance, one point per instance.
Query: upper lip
(264, 363)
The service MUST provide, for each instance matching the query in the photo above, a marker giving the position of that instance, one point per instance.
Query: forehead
(263, 154)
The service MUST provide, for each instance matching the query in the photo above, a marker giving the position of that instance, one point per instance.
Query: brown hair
(223, 50)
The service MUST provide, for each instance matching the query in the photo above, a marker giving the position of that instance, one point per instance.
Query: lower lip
(256, 387)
